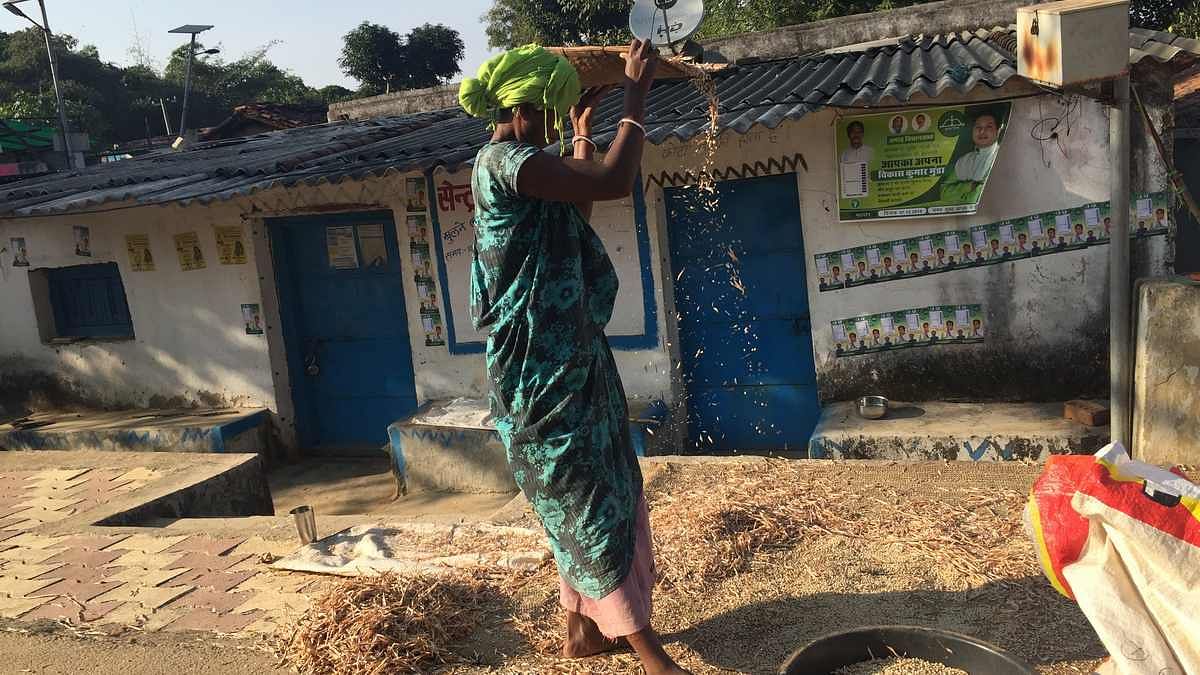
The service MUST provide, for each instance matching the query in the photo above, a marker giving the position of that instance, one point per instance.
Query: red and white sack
(1122, 538)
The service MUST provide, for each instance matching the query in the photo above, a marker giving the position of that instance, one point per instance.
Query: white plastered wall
(190, 344)
(1032, 306)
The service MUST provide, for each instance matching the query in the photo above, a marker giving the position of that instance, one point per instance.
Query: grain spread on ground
(785, 552)
(900, 667)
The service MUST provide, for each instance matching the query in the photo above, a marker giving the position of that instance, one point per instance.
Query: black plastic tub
(826, 655)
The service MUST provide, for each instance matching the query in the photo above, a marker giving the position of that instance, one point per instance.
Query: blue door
(744, 331)
(341, 296)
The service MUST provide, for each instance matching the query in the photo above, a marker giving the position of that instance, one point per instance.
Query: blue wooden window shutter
(89, 301)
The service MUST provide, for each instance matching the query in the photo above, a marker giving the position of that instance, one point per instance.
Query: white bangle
(630, 120)
(585, 139)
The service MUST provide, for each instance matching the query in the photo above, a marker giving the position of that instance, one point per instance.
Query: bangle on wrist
(633, 122)
(585, 139)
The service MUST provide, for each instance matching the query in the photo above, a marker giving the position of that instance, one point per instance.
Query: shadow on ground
(1019, 617)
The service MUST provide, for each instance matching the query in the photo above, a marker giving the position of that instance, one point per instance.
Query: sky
(309, 32)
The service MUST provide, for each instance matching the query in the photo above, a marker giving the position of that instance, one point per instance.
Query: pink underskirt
(626, 610)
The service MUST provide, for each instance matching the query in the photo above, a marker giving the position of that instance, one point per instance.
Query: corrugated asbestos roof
(753, 94)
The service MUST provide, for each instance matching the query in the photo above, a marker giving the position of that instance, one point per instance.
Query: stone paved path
(147, 581)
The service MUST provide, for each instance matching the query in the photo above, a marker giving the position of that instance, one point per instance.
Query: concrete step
(183, 430)
(953, 431)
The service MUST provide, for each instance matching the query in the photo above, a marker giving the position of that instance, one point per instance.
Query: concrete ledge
(175, 485)
(954, 431)
(185, 430)
(450, 446)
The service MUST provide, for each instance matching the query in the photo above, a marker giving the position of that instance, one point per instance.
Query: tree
(511, 23)
(431, 55)
(382, 60)
(334, 94)
(373, 55)
(114, 104)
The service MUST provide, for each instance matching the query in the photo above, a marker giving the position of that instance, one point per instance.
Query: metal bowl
(832, 653)
(872, 407)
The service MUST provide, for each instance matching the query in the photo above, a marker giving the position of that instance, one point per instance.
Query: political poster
(917, 163)
(909, 328)
(187, 249)
(1030, 236)
(140, 257)
(231, 244)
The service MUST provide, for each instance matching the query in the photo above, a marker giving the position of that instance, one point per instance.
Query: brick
(94, 542)
(256, 546)
(11, 608)
(132, 615)
(276, 603)
(26, 571)
(1087, 413)
(81, 591)
(215, 601)
(146, 578)
(56, 476)
(204, 620)
(26, 556)
(65, 610)
(198, 544)
(51, 503)
(12, 587)
(220, 581)
(205, 561)
(42, 515)
(145, 597)
(76, 573)
(140, 474)
(11, 510)
(83, 556)
(145, 543)
(280, 582)
(31, 540)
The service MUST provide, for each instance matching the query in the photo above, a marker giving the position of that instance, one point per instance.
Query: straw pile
(387, 624)
(740, 535)
(713, 529)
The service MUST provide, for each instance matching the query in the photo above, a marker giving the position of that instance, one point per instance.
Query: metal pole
(62, 110)
(166, 122)
(1119, 287)
(187, 88)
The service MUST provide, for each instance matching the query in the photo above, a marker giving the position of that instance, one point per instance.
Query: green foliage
(335, 94)
(1187, 22)
(382, 60)
(115, 104)
(512, 23)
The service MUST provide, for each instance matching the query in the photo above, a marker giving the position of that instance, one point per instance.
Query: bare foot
(672, 669)
(584, 638)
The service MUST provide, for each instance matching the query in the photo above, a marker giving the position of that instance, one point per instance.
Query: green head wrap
(526, 74)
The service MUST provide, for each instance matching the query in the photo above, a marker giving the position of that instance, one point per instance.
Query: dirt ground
(54, 652)
(980, 577)
(364, 485)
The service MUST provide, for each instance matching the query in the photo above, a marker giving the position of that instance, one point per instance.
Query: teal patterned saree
(544, 287)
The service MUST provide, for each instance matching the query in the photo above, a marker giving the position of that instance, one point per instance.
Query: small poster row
(908, 329)
(1034, 235)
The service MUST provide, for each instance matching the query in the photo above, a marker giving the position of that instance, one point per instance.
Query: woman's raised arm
(545, 176)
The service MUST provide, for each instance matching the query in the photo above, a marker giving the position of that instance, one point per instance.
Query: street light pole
(193, 31)
(11, 6)
(62, 110)
(187, 87)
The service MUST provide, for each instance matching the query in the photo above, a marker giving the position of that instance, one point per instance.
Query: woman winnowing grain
(543, 287)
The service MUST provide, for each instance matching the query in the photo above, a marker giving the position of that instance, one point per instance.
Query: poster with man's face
(919, 163)
(20, 253)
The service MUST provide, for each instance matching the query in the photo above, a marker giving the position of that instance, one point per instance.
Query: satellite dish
(665, 22)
